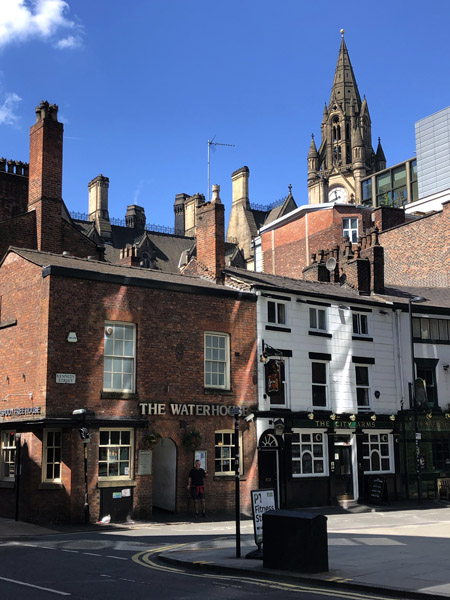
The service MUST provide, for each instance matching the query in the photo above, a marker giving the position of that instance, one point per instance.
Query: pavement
(399, 550)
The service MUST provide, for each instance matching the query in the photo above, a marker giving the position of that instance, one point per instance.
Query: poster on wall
(201, 456)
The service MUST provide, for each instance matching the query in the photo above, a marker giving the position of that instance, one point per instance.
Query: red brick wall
(13, 195)
(287, 251)
(418, 253)
(19, 231)
(170, 367)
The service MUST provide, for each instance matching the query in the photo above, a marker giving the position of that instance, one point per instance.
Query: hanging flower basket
(192, 440)
(151, 438)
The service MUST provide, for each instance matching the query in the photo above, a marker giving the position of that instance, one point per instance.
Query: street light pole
(237, 483)
(417, 434)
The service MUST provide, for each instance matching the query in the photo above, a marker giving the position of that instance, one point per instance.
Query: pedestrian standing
(196, 487)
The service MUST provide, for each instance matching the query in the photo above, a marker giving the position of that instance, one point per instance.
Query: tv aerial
(213, 144)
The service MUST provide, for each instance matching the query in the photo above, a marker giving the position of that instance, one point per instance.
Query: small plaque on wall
(145, 462)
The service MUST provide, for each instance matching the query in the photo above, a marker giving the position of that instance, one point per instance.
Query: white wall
(385, 373)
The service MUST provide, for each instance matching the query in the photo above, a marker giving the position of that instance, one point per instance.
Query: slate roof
(72, 266)
(168, 247)
(435, 297)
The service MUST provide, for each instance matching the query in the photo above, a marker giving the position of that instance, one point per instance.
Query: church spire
(345, 155)
(344, 90)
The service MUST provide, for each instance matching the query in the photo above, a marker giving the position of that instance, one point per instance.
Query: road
(123, 564)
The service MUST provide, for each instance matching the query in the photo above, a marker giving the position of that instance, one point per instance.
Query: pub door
(343, 468)
(269, 465)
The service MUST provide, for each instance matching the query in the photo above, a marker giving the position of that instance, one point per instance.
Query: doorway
(343, 467)
(164, 474)
(268, 465)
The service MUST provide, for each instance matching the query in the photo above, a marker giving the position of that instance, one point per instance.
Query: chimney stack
(211, 236)
(98, 205)
(45, 177)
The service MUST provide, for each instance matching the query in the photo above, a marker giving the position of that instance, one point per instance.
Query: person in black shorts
(196, 486)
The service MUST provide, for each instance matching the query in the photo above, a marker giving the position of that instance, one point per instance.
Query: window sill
(277, 328)
(362, 338)
(320, 334)
(116, 483)
(6, 484)
(217, 391)
(9, 323)
(51, 485)
(219, 477)
(119, 396)
(309, 476)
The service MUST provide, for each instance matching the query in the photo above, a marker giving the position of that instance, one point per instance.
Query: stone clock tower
(345, 154)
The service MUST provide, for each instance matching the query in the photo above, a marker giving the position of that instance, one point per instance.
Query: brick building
(146, 364)
(140, 352)
(288, 242)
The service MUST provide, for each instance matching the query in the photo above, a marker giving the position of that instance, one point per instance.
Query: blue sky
(143, 85)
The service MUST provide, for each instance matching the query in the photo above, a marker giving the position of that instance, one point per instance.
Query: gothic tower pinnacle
(345, 154)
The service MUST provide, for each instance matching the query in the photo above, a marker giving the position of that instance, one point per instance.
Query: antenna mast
(212, 143)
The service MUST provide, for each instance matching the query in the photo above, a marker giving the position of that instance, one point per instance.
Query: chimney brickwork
(45, 177)
(361, 269)
(211, 236)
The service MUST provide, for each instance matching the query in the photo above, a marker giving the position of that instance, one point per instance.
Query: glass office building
(395, 186)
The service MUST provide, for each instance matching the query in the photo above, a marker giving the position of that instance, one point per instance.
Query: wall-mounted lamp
(333, 417)
(343, 307)
(249, 418)
(278, 427)
(373, 417)
(383, 312)
(311, 416)
(352, 417)
(392, 417)
(447, 415)
(429, 416)
(445, 367)
(377, 394)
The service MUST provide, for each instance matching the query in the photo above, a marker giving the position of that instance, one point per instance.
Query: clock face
(338, 194)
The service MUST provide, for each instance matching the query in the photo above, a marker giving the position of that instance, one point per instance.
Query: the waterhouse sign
(191, 410)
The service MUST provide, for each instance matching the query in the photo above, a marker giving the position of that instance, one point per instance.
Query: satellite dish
(331, 264)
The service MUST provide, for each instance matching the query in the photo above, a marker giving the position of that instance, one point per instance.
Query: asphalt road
(116, 565)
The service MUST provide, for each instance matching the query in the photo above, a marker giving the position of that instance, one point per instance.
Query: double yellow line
(144, 559)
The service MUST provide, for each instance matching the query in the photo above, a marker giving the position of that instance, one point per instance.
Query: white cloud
(22, 20)
(7, 114)
(72, 41)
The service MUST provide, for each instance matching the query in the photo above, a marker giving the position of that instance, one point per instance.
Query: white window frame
(367, 407)
(309, 438)
(357, 324)
(349, 230)
(324, 385)
(110, 459)
(280, 313)
(119, 360)
(366, 445)
(214, 364)
(314, 319)
(46, 450)
(230, 447)
(7, 454)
